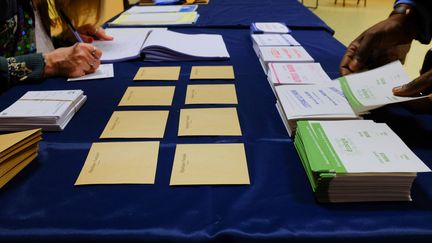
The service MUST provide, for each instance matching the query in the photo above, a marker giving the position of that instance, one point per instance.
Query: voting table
(41, 204)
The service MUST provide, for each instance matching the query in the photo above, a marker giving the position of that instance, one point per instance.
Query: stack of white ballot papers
(269, 28)
(49, 110)
(296, 73)
(161, 45)
(355, 161)
(259, 40)
(282, 54)
(311, 102)
(372, 89)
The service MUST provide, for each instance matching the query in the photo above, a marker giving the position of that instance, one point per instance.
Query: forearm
(423, 11)
(24, 68)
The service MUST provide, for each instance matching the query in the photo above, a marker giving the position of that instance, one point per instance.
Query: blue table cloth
(241, 13)
(41, 203)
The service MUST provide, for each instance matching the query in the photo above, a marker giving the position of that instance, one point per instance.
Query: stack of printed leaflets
(50, 110)
(372, 89)
(355, 161)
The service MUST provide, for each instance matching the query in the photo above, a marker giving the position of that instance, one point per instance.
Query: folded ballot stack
(346, 159)
(49, 110)
(17, 150)
(358, 160)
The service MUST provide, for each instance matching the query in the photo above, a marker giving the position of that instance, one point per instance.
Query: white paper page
(104, 71)
(36, 109)
(200, 45)
(273, 40)
(370, 147)
(272, 27)
(62, 95)
(374, 87)
(284, 54)
(161, 9)
(297, 73)
(291, 40)
(42, 103)
(299, 101)
(127, 43)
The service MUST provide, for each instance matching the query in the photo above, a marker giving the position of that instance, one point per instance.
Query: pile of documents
(157, 16)
(49, 110)
(372, 89)
(354, 161)
(311, 102)
(17, 150)
(160, 45)
(345, 98)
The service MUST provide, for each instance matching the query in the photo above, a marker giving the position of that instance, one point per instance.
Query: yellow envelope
(209, 122)
(120, 163)
(211, 94)
(146, 96)
(158, 73)
(12, 141)
(210, 164)
(15, 170)
(136, 124)
(212, 72)
(13, 161)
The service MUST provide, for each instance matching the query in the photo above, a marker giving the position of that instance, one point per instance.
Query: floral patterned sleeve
(21, 68)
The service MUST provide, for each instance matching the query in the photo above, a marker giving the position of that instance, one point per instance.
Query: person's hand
(75, 61)
(420, 86)
(89, 33)
(384, 42)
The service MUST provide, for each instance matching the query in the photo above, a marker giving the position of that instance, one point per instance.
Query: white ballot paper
(104, 71)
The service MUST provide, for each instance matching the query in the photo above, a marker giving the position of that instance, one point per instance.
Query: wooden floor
(351, 20)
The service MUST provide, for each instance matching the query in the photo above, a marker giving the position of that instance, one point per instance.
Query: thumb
(418, 87)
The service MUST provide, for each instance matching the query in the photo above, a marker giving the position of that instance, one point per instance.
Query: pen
(71, 27)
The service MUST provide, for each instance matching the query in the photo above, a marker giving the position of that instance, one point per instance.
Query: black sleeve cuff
(424, 9)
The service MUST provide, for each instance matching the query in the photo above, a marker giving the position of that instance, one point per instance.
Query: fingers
(87, 38)
(100, 34)
(91, 33)
(86, 59)
(419, 87)
(344, 67)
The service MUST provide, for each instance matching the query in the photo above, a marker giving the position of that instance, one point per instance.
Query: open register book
(354, 161)
(160, 45)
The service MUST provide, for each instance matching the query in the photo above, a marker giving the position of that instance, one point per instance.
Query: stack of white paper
(272, 40)
(372, 89)
(354, 161)
(49, 110)
(296, 73)
(269, 28)
(311, 102)
(292, 54)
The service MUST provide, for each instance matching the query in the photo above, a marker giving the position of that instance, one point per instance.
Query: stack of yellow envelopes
(17, 150)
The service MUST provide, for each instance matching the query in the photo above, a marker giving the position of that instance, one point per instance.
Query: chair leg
(365, 3)
(343, 3)
(335, 1)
